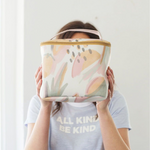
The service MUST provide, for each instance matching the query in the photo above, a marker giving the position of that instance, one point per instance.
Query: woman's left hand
(102, 105)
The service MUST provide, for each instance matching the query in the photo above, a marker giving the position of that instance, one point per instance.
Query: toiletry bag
(74, 70)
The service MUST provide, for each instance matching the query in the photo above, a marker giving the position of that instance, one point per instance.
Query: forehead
(80, 35)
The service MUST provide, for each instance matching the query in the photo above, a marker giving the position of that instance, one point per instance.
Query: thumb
(109, 94)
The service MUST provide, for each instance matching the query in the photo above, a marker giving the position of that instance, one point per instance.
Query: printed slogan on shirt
(79, 120)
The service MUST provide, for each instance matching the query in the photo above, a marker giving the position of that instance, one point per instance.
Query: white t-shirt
(74, 127)
(79, 104)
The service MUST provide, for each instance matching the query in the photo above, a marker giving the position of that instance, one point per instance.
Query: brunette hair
(74, 25)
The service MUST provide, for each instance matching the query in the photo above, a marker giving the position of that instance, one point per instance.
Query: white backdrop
(25, 24)
(123, 23)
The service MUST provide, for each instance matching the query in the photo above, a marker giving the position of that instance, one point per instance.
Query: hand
(103, 105)
(38, 80)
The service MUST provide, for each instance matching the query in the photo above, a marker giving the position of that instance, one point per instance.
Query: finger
(109, 97)
(108, 77)
(113, 80)
(108, 81)
(111, 72)
(39, 86)
(109, 94)
(36, 73)
(39, 76)
(111, 84)
(107, 72)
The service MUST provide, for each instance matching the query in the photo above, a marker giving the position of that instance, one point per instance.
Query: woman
(73, 126)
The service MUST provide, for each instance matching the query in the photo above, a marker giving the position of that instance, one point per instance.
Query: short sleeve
(33, 110)
(119, 111)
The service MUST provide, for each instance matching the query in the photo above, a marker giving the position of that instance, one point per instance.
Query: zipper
(94, 42)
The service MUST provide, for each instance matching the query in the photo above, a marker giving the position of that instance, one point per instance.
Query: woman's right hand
(38, 81)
